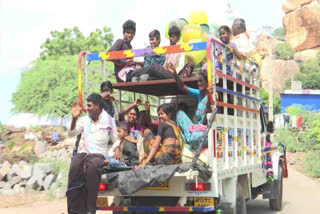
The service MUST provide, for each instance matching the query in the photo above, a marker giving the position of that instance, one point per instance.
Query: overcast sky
(26, 24)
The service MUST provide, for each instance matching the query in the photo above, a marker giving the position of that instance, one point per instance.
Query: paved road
(301, 196)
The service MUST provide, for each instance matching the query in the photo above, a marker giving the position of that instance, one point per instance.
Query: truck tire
(276, 204)
(241, 202)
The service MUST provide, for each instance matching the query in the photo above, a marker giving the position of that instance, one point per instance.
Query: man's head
(123, 130)
(94, 105)
(238, 26)
(174, 35)
(129, 30)
(224, 33)
(154, 38)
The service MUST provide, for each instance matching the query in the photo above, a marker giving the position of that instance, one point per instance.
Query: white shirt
(97, 137)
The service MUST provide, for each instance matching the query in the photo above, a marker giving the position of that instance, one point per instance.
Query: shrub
(312, 164)
(284, 51)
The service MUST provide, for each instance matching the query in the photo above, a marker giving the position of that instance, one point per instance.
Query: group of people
(156, 67)
(130, 138)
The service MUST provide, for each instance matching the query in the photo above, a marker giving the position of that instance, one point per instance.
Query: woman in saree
(166, 147)
(193, 130)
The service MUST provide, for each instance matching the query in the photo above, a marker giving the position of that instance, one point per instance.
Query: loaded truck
(239, 162)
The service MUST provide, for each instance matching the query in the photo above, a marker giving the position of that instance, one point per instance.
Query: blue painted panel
(307, 101)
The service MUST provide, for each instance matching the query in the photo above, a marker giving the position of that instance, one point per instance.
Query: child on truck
(124, 151)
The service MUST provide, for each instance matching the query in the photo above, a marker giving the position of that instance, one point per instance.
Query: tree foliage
(50, 85)
(264, 95)
(310, 73)
(284, 51)
(72, 41)
(279, 33)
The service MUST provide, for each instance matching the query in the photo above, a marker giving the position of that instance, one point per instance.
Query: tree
(284, 51)
(264, 95)
(72, 41)
(50, 85)
(279, 33)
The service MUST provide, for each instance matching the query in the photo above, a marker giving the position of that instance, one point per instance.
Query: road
(301, 196)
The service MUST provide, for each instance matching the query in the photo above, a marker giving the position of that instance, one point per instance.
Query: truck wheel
(276, 204)
(241, 203)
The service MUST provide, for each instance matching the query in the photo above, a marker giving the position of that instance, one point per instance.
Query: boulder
(291, 5)
(5, 169)
(38, 174)
(26, 171)
(48, 181)
(32, 183)
(45, 167)
(302, 27)
(14, 180)
(15, 170)
(281, 71)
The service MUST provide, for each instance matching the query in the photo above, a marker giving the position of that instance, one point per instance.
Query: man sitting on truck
(98, 130)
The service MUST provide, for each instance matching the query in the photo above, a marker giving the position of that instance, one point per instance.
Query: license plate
(203, 202)
(163, 186)
(102, 201)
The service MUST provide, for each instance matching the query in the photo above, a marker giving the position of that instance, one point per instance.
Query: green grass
(312, 164)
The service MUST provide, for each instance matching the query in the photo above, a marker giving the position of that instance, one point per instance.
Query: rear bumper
(157, 209)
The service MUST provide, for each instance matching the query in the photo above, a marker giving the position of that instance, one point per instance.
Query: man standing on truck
(98, 130)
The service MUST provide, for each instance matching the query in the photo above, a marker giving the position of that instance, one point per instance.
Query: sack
(187, 70)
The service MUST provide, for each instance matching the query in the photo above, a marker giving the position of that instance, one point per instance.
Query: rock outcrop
(302, 23)
(281, 71)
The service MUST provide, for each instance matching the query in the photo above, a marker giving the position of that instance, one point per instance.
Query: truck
(242, 161)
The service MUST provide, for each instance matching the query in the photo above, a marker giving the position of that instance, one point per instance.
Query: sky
(24, 25)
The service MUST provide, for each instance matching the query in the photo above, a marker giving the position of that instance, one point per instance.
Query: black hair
(96, 99)
(204, 74)
(225, 28)
(241, 24)
(124, 126)
(136, 110)
(129, 25)
(169, 109)
(183, 106)
(155, 33)
(174, 31)
(106, 83)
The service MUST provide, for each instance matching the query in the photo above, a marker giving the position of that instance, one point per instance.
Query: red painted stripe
(236, 107)
(176, 209)
(111, 208)
(220, 74)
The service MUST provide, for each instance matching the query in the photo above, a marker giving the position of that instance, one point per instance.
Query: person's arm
(136, 103)
(180, 83)
(238, 54)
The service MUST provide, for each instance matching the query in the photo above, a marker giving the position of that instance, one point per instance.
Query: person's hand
(171, 68)
(75, 110)
(117, 154)
(137, 102)
(210, 90)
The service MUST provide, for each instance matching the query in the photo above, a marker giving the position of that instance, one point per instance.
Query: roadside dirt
(301, 195)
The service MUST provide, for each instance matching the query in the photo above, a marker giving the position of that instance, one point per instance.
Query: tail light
(198, 187)
(103, 187)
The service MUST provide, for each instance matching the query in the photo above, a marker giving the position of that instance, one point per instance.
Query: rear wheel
(276, 203)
